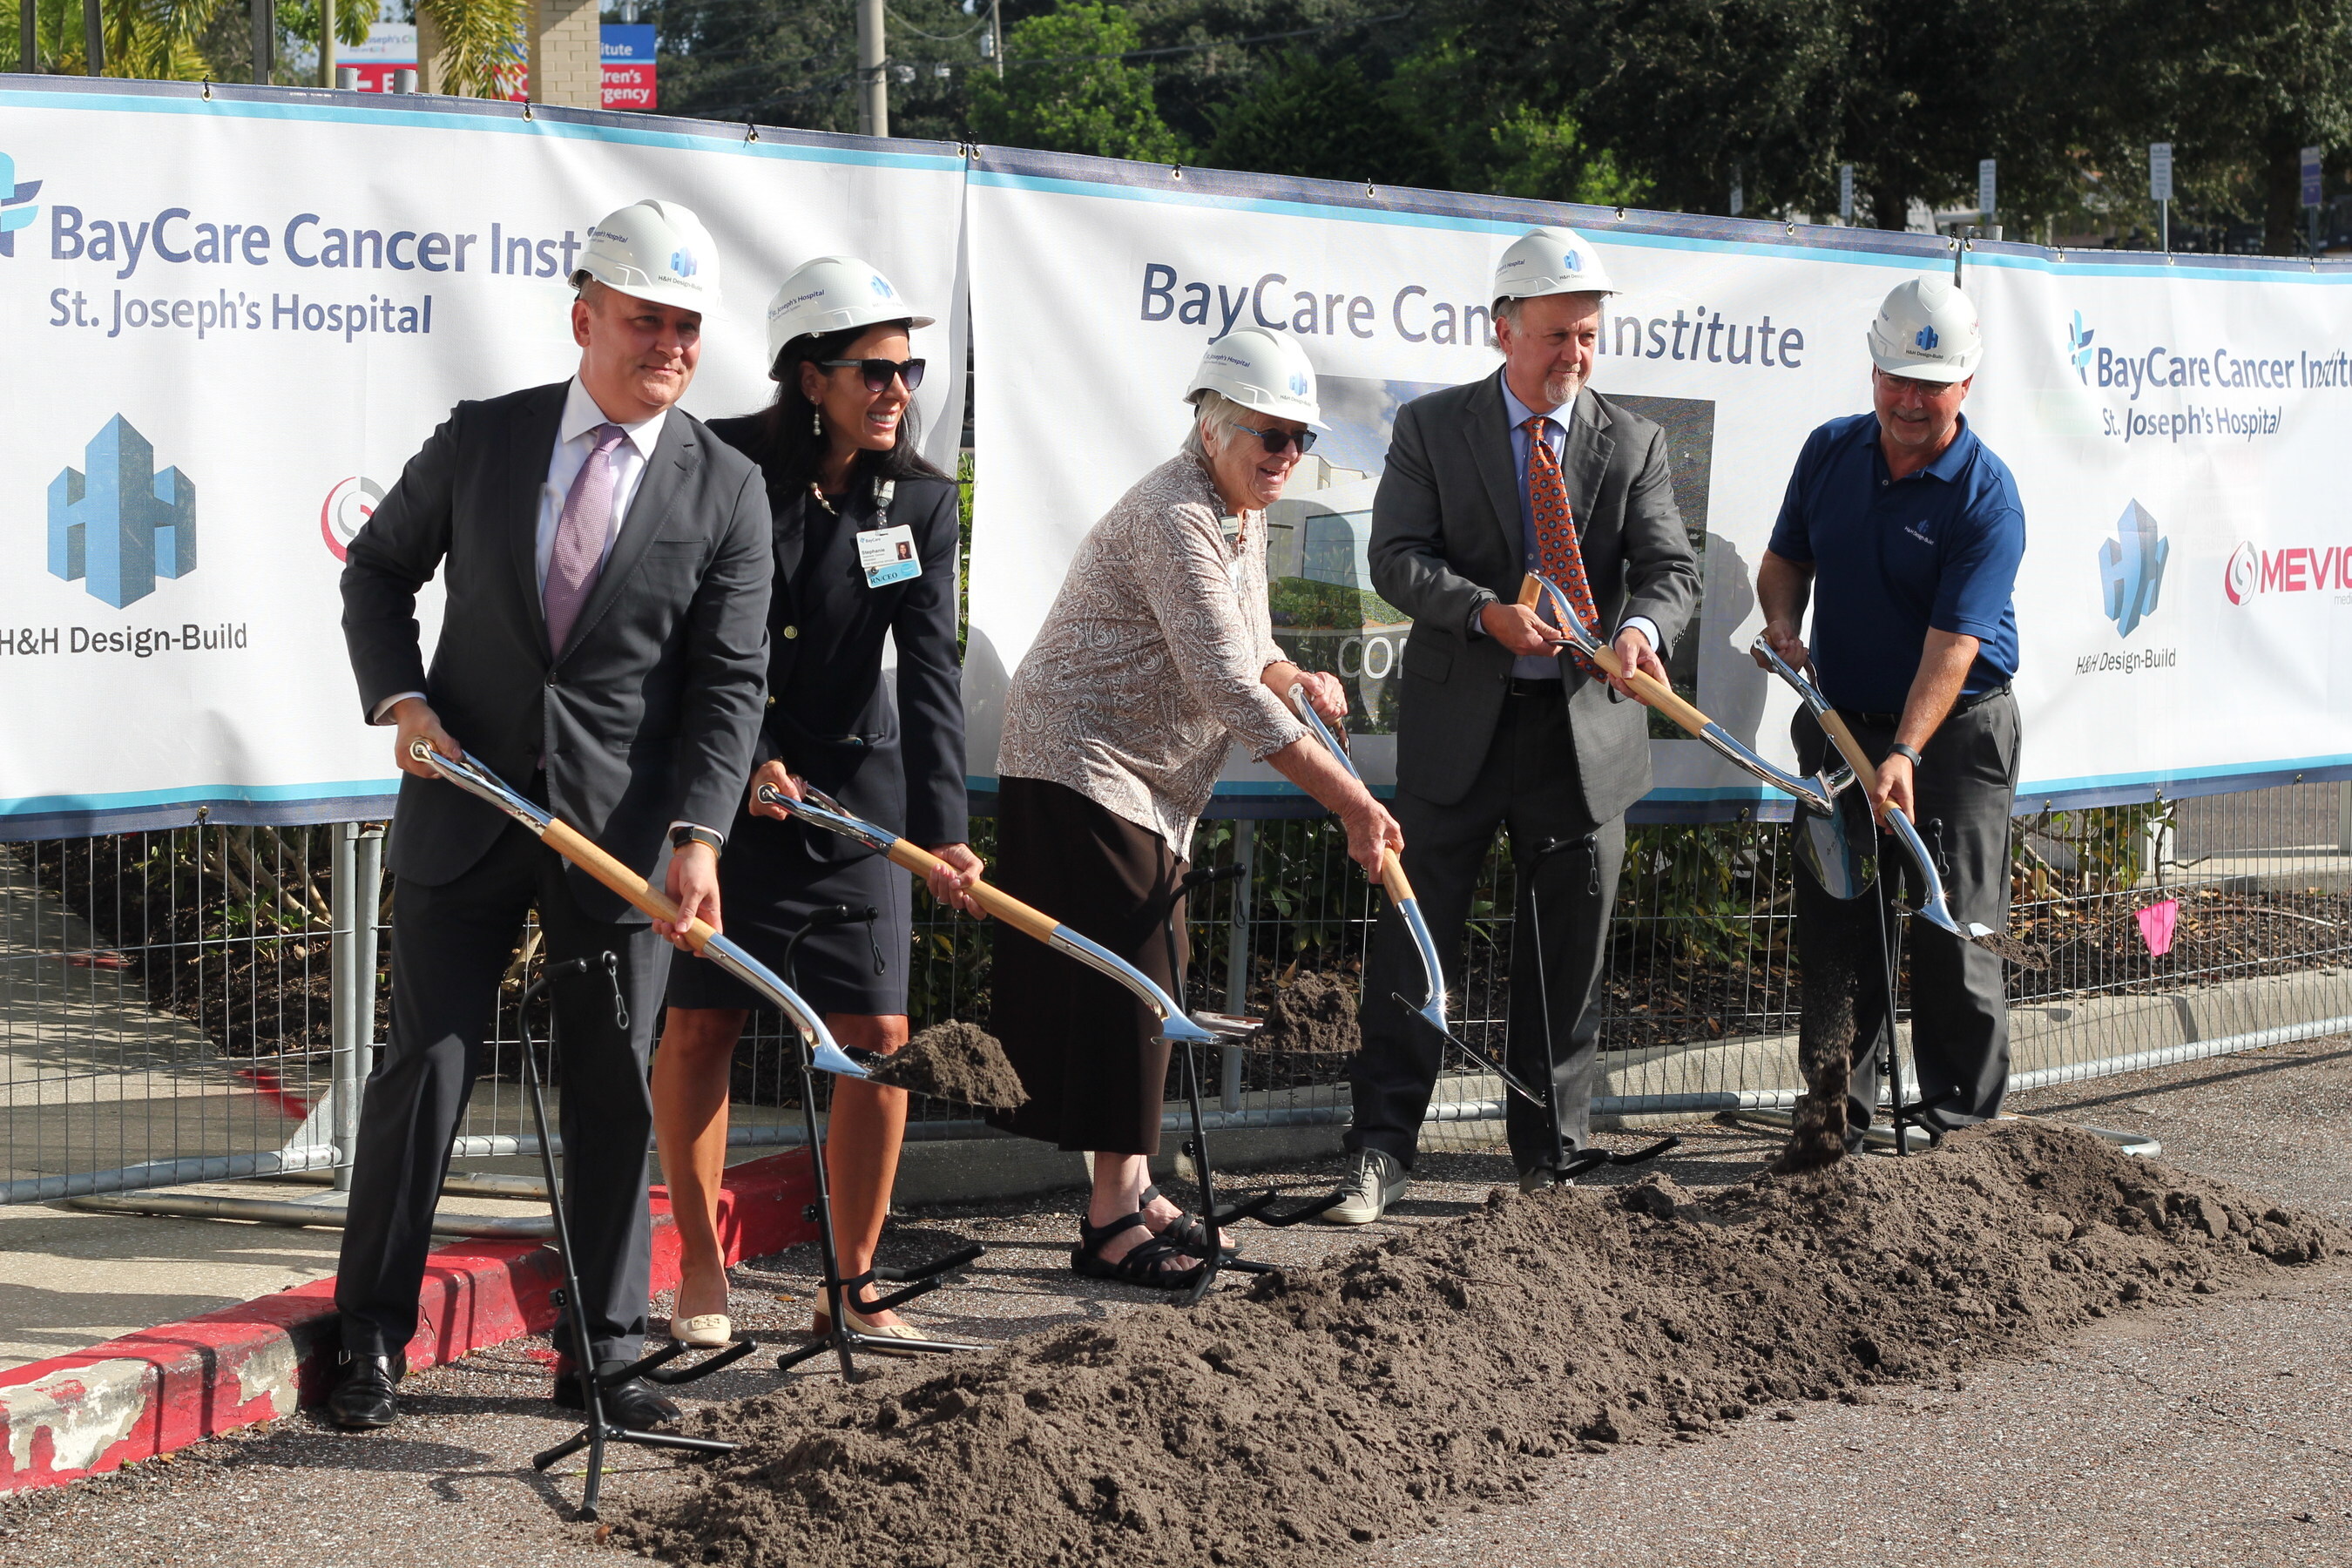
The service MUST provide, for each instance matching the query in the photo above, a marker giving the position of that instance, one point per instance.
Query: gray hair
(1508, 308)
(1212, 410)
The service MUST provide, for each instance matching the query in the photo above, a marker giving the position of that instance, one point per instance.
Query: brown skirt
(1087, 1052)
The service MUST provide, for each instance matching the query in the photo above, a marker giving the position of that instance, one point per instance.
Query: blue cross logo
(2131, 568)
(120, 525)
(1927, 340)
(13, 211)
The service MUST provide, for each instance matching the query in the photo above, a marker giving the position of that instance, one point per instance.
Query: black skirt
(1088, 1051)
(770, 876)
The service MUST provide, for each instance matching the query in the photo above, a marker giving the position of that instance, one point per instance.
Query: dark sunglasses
(1275, 441)
(878, 372)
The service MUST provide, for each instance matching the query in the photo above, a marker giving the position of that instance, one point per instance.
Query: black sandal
(1186, 1232)
(1138, 1267)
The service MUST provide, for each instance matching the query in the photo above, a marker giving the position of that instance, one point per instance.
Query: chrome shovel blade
(1827, 851)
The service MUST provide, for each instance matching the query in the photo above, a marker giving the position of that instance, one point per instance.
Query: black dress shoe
(364, 1401)
(631, 1405)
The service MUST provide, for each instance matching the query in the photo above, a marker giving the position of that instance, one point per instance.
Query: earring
(816, 420)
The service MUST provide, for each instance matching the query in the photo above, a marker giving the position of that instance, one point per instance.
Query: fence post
(1237, 959)
(2344, 817)
(342, 967)
(366, 901)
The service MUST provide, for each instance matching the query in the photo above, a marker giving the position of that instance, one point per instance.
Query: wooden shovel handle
(1003, 905)
(567, 841)
(1647, 687)
(1855, 758)
(1392, 876)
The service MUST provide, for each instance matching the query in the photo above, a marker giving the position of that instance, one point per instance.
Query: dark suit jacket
(646, 715)
(1446, 539)
(829, 715)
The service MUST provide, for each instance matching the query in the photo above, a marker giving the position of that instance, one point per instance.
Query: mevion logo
(2299, 569)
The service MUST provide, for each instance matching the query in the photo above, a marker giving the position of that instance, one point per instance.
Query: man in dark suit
(1525, 470)
(606, 563)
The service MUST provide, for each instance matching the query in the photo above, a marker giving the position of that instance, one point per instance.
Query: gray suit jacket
(646, 715)
(1446, 539)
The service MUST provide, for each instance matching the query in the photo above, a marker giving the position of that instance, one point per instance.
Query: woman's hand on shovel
(951, 879)
(1371, 834)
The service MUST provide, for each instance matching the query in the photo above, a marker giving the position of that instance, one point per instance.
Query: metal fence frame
(190, 1004)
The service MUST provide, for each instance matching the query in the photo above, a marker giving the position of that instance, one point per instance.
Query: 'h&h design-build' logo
(14, 212)
(120, 525)
(2131, 568)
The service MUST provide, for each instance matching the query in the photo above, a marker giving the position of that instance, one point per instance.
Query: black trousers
(449, 946)
(1966, 787)
(1529, 786)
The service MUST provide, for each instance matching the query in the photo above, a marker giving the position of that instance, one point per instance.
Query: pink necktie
(579, 553)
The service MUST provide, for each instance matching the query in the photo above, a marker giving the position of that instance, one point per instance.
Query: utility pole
(873, 78)
(28, 37)
(93, 40)
(326, 43)
(264, 41)
(996, 32)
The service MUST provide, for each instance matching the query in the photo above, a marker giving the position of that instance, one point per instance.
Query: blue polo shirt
(1893, 560)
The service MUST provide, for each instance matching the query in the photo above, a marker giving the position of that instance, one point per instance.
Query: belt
(1544, 686)
(1889, 721)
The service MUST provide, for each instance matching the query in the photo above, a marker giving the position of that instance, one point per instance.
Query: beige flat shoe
(823, 1322)
(705, 1330)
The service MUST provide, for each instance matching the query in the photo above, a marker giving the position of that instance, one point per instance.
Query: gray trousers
(449, 946)
(1529, 786)
(1966, 786)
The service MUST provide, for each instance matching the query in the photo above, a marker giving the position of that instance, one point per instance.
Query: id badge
(887, 554)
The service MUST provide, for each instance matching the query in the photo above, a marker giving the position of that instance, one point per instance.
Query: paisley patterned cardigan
(1146, 669)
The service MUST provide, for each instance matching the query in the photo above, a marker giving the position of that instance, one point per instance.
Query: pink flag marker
(2156, 923)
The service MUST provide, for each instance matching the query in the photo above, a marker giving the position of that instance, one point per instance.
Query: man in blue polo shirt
(1905, 532)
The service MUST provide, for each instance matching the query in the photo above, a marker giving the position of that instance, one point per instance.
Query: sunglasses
(1277, 440)
(878, 372)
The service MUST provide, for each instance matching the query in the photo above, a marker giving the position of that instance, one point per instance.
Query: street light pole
(874, 80)
(93, 39)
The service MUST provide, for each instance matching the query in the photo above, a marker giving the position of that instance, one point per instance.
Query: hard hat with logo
(1261, 369)
(1926, 331)
(832, 294)
(653, 250)
(1550, 261)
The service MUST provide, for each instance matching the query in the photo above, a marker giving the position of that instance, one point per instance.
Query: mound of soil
(957, 1061)
(1368, 1398)
(1314, 1014)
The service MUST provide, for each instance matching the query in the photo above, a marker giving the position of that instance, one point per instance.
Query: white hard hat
(1926, 330)
(1261, 369)
(1550, 261)
(653, 250)
(832, 294)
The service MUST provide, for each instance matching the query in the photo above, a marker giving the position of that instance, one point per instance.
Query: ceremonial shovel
(1178, 1027)
(1828, 852)
(1432, 1012)
(819, 1053)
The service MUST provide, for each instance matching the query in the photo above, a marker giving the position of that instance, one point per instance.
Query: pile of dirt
(957, 1061)
(1315, 1015)
(1367, 1398)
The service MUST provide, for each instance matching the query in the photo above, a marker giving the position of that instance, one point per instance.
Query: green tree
(479, 43)
(795, 62)
(1067, 89)
(1322, 119)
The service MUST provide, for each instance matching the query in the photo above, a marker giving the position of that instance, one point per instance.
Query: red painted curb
(151, 1392)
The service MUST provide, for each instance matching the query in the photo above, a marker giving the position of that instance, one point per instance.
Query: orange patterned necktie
(1557, 556)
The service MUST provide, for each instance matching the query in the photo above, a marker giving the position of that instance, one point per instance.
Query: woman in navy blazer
(866, 543)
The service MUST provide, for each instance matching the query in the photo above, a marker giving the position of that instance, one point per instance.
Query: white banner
(236, 313)
(2176, 426)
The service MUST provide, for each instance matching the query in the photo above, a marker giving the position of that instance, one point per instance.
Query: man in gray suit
(1525, 471)
(606, 562)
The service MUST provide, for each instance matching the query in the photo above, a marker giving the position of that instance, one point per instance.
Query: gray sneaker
(1374, 1180)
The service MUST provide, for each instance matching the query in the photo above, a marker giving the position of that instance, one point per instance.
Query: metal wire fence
(170, 1009)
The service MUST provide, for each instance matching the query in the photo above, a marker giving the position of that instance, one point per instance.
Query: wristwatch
(1909, 754)
(686, 833)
